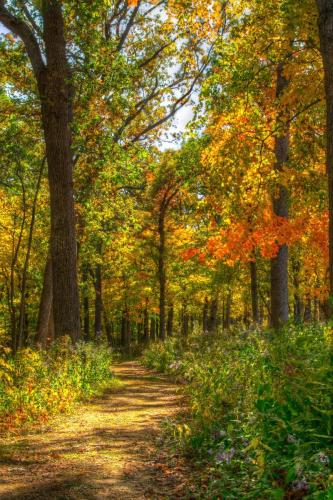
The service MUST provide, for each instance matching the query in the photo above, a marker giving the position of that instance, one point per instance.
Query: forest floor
(109, 448)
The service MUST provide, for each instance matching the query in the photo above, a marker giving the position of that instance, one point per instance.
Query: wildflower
(291, 439)
(322, 458)
(226, 456)
(175, 365)
(300, 485)
(245, 442)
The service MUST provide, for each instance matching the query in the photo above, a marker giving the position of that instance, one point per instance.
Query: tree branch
(128, 27)
(23, 31)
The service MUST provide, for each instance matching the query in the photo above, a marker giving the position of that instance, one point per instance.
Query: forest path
(107, 449)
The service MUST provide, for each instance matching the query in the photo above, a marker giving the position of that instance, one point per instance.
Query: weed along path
(107, 449)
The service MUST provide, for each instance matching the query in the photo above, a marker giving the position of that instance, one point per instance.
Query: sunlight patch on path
(106, 450)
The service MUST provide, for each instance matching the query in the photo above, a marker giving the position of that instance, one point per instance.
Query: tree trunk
(212, 322)
(56, 96)
(254, 292)
(227, 316)
(205, 316)
(279, 264)
(23, 314)
(108, 328)
(86, 312)
(98, 303)
(307, 309)
(146, 324)
(125, 330)
(170, 321)
(139, 330)
(161, 271)
(185, 321)
(297, 308)
(297, 299)
(45, 316)
(152, 328)
(325, 24)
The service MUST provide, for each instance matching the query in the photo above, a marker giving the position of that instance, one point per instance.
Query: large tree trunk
(325, 23)
(279, 264)
(55, 89)
(56, 95)
(254, 292)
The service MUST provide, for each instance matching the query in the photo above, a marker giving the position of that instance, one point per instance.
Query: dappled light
(166, 249)
(106, 448)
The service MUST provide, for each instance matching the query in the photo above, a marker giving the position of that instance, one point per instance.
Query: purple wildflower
(226, 456)
(300, 485)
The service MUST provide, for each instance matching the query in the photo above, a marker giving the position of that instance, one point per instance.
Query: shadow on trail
(105, 452)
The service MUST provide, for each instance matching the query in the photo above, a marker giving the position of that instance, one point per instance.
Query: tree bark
(279, 264)
(325, 24)
(56, 95)
(254, 292)
(45, 316)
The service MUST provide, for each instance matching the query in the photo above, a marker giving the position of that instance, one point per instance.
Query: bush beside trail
(36, 383)
(260, 411)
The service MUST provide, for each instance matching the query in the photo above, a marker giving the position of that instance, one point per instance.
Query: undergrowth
(36, 384)
(260, 422)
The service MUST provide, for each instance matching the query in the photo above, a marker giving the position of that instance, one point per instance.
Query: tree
(52, 73)
(325, 24)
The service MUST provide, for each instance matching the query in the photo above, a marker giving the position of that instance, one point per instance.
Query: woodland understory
(166, 194)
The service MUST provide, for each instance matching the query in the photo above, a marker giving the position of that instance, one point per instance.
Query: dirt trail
(108, 449)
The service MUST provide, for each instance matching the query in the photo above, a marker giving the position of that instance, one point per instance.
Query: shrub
(36, 384)
(260, 411)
